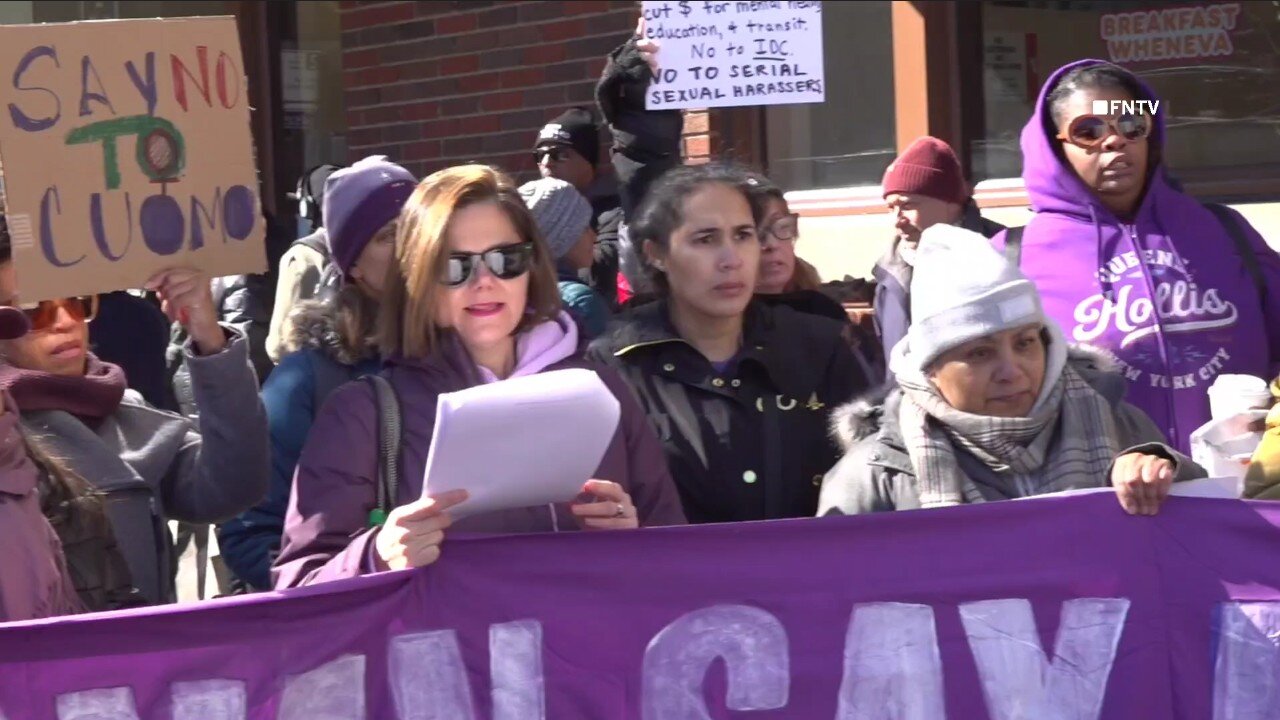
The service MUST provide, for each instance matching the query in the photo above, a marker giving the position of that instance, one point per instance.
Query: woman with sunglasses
(151, 466)
(1125, 261)
(471, 299)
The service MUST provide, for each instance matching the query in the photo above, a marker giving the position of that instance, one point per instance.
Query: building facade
(432, 84)
(444, 82)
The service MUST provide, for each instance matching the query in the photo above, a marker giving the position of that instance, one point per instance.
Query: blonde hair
(406, 319)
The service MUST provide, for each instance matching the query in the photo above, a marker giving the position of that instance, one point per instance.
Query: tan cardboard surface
(126, 149)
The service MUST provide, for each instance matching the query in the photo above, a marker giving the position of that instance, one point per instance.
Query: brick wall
(697, 136)
(432, 84)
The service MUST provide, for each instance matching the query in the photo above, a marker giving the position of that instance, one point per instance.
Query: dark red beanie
(927, 167)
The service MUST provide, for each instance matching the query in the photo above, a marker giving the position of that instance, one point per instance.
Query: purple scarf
(94, 395)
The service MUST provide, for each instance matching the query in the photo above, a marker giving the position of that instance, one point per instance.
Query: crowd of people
(1006, 363)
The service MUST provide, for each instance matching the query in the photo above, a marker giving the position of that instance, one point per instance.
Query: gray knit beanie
(560, 211)
(962, 290)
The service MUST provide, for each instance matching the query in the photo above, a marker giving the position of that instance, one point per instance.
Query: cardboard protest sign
(126, 150)
(728, 54)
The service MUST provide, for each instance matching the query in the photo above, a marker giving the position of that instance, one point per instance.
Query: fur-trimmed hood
(314, 324)
(863, 416)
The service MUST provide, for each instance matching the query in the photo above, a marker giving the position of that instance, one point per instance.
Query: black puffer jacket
(750, 443)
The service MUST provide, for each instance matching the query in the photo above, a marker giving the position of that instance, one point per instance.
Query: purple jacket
(325, 532)
(1168, 293)
(33, 572)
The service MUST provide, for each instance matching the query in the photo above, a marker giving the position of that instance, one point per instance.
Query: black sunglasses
(506, 263)
(556, 154)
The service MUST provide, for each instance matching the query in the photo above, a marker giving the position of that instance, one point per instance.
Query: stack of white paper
(521, 442)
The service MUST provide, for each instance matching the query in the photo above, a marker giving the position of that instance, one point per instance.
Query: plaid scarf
(1067, 442)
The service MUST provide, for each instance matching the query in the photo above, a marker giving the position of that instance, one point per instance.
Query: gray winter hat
(560, 211)
(962, 290)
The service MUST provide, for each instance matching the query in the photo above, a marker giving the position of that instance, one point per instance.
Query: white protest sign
(730, 54)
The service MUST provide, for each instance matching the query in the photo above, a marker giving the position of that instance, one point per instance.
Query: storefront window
(52, 12)
(311, 84)
(1215, 67)
(850, 138)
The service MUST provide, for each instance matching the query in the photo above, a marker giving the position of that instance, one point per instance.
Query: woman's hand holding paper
(411, 536)
(609, 507)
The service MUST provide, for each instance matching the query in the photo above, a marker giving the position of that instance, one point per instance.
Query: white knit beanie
(560, 211)
(963, 289)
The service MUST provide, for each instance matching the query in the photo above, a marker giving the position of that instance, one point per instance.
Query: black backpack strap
(1013, 245)
(317, 241)
(1243, 248)
(389, 438)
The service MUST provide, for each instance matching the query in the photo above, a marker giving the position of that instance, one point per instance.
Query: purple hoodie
(1167, 293)
(325, 531)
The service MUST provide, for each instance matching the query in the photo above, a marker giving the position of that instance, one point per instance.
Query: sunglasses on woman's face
(506, 263)
(44, 314)
(1088, 131)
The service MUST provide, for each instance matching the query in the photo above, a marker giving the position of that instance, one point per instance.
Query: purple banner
(1054, 608)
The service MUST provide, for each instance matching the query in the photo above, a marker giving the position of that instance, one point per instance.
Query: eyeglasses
(556, 154)
(44, 314)
(784, 229)
(506, 263)
(1089, 131)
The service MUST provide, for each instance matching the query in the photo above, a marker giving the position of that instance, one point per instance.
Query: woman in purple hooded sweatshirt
(1126, 261)
(471, 299)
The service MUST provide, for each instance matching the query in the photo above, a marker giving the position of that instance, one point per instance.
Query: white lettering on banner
(1019, 682)
(892, 664)
(429, 677)
(1246, 678)
(727, 54)
(334, 691)
(753, 645)
(102, 704)
(209, 700)
(892, 669)
(515, 662)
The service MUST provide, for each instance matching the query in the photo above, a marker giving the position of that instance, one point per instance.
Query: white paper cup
(1233, 394)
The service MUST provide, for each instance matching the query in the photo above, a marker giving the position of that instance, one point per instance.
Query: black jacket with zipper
(750, 443)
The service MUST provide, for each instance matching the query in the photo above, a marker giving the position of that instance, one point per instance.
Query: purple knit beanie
(360, 200)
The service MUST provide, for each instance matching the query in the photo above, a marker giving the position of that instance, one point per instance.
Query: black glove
(643, 135)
